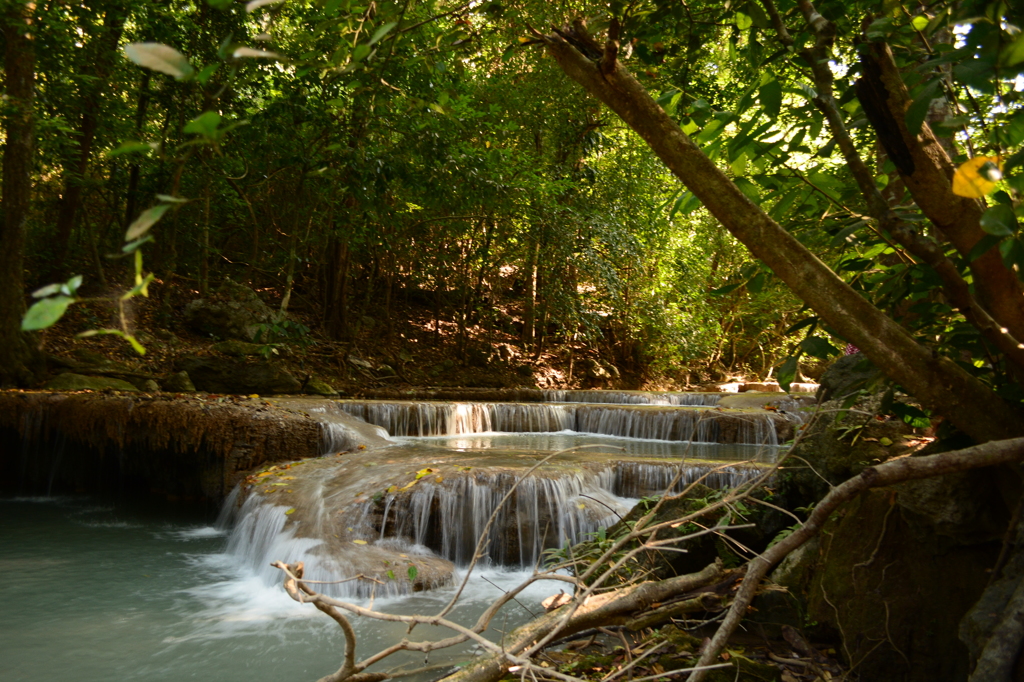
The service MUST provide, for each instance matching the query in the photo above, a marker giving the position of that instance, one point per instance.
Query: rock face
(846, 375)
(78, 382)
(226, 375)
(891, 589)
(233, 312)
(238, 349)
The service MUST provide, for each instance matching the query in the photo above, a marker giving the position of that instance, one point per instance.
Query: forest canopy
(363, 156)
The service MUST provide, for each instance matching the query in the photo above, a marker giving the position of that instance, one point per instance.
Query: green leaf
(168, 199)
(220, 4)
(48, 290)
(919, 22)
(359, 54)
(138, 347)
(145, 221)
(770, 95)
(45, 313)
(207, 71)
(391, 574)
(132, 246)
(818, 347)
(131, 147)
(204, 124)
(413, 572)
(159, 57)
(71, 286)
(382, 31)
(787, 373)
(912, 415)
(253, 53)
(1013, 54)
(743, 21)
(739, 165)
(999, 221)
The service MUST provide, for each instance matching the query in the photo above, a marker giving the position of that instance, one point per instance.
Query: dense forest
(518, 194)
(364, 161)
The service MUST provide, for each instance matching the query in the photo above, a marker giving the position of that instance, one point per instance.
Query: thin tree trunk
(131, 195)
(19, 362)
(91, 91)
(204, 262)
(530, 312)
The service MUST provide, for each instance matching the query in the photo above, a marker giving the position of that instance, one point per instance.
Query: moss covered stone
(69, 381)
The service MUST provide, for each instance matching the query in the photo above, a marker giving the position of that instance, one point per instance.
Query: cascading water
(632, 421)
(632, 397)
(363, 514)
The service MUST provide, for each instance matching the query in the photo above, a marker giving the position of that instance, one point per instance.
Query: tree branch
(936, 381)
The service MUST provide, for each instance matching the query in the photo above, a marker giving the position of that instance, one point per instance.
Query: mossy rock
(237, 349)
(179, 382)
(317, 387)
(69, 381)
(894, 592)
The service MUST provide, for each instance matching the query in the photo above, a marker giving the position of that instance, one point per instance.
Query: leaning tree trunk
(936, 381)
(18, 360)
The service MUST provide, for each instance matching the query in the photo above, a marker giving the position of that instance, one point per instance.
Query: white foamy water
(99, 594)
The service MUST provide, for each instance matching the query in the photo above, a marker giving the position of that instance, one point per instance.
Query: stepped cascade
(427, 479)
(655, 422)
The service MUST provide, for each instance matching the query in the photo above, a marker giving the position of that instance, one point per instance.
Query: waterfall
(544, 512)
(629, 421)
(631, 397)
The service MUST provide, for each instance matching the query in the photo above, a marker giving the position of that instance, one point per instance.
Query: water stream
(123, 592)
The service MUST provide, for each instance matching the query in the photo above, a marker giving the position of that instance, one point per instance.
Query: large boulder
(234, 311)
(226, 375)
(892, 593)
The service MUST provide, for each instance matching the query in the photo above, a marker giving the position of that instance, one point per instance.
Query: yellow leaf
(425, 472)
(264, 473)
(973, 181)
(393, 489)
(359, 542)
(410, 484)
(290, 511)
(287, 478)
(439, 479)
(254, 395)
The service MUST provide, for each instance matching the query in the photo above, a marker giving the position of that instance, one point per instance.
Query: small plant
(273, 335)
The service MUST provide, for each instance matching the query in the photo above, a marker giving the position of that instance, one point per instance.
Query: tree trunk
(131, 195)
(74, 176)
(337, 303)
(936, 381)
(530, 312)
(19, 362)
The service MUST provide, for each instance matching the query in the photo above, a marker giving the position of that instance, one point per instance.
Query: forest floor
(408, 350)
